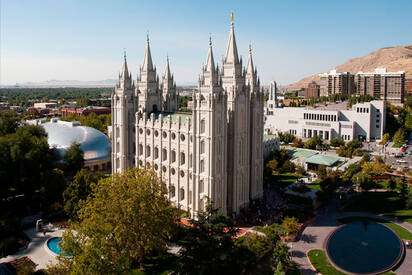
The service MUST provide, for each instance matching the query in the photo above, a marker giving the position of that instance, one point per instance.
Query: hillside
(393, 58)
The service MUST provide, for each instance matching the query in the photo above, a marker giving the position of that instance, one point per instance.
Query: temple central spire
(147, 62)
(231, 52)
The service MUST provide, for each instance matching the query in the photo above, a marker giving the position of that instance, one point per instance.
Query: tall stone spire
(249, 67)
(210, 62)
(125, 78)
(231, 52)
(167, 80)
(147, 61)
(168, 75)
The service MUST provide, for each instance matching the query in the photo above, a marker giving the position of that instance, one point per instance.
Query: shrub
(336, 142)
(255, 243)
(272, 232)
(291, 226)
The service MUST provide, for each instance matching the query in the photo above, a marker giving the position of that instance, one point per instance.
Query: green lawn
(315, 185)
(402, 232)
(386, 203)
(284, 179)
(319, 261)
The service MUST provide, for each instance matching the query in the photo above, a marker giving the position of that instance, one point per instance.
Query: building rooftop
(268, 137)
(322, 160)
(174, 116)
(61, 135)
(300, 153)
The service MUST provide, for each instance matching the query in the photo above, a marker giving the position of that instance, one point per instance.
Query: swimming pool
(54, 245)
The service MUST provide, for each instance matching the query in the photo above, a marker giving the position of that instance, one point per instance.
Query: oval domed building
(95, 144)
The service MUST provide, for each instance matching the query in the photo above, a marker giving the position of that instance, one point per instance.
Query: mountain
(64, 83)
(393, 58)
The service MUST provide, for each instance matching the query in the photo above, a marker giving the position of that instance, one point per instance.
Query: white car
(401, 161)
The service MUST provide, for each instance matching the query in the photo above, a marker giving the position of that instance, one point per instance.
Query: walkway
(36, 249)
(315, 234)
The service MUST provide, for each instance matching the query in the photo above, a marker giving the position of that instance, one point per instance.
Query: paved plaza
(36, 249)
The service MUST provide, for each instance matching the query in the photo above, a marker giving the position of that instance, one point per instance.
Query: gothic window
(173, 156)
(182, 137)
(182, 174)
(117, 132)
(164, 134)
(182, 158)
(148, 132)
(164, 169)
(140, 149)
(156, 153)
(164, 154)
(141, 131)
(156, 133)
(173, 171)
(156, 167)
(202, 147)
(202, 126)
(147, 151)
(173, 136)
(190, 161)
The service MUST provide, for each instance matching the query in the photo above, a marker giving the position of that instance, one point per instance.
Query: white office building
(365, 121)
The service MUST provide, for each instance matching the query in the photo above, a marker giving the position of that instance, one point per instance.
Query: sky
(84, 40)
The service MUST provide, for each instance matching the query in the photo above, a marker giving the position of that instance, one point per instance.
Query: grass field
(386, 203)
(315, 185)
(283, 180)
(402, 232)
(321, 263)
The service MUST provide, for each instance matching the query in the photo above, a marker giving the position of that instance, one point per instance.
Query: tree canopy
(127, 217)
(73, 158)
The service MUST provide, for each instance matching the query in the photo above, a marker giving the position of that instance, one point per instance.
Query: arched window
(202, 126)
(182, 158)
(182, 194)
(172, 191)
(140, 149)
(164, 154)
(190, 161)
(147, 151)
(201, 186)
(202, 147)
(156, 152)
(173, 156)
(202, 166)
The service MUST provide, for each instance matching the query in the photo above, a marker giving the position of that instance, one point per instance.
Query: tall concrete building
(312, 91)
(336, 82)
(381, 84)
(214, 152)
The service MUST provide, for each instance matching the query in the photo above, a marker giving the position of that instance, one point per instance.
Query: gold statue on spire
(231, 17)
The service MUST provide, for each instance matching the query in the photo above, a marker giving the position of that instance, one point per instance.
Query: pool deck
(36, 250)
(315, 234)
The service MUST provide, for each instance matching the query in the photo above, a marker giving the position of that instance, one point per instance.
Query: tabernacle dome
(95, 145)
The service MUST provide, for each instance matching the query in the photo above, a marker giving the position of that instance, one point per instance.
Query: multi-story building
(365, 121)
(214, 152)
(84, 111)
(312, 91)
(336, 82)
(408, 86)
(273, 98)
(381, 84)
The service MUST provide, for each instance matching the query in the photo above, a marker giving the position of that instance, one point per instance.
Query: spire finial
(147, 36)
(210, 39)
(231, 18)
(124, 53)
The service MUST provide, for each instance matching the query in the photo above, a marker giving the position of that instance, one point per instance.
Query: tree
(51, 191)
(364, 180)
(403, 188)
(127, 217)
(399, 136)
(280, 269)
(313, 142)
(79, 190)
(291, 226)
(73, 158)
(336, 142)
(322, 172)
(409, 200)
(281, 254)
(208, 246)
(386, 138)
(297, 142)
(391, 184)
(8, 122)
